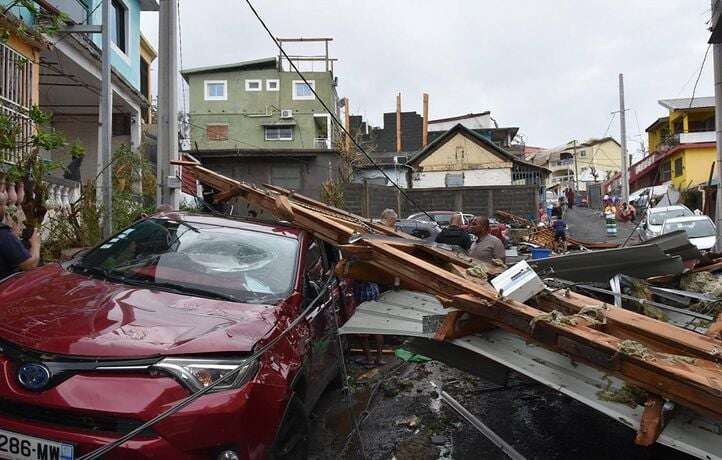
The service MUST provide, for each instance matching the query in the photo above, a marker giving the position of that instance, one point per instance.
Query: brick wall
(369, 199)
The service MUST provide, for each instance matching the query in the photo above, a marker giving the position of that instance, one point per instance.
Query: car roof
(270, 227)
(674, 220)
(667, 208)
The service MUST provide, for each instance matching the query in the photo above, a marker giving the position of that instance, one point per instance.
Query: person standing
(570, 197)
(14, 257)
(610, 218)
(454, 235)
(487, 247)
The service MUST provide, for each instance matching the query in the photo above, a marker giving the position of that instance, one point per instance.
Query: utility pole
(623, 134)
(717, 63)
(168, 182)
(106, 125)
(576, 170)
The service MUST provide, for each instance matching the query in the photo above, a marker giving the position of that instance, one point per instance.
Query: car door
(323, 345)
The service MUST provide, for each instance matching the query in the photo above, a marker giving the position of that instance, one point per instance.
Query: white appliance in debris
(287, 113)
(520, 282)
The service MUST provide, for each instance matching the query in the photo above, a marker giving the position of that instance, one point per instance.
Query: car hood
(703, 243)
(55, 311)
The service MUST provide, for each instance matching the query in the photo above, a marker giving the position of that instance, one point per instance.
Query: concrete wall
(696, 165)
(398, 175)
(126, 63)
(314, 169)
(370, 199)
(246, 111)
(85, 131)
(472, 178)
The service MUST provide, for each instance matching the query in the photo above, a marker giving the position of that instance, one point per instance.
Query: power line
(701, 67)
(333, 116)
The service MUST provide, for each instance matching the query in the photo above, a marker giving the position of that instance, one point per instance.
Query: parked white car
(654, 219)
(700, 230)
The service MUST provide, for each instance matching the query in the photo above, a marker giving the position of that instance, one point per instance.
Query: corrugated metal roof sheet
(403, 313)
(684, 103)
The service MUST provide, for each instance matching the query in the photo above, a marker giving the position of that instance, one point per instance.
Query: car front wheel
(292, 438)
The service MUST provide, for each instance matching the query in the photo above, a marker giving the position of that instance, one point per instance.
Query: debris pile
(616, 340)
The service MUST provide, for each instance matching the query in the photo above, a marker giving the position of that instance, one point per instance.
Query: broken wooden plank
(651, 424)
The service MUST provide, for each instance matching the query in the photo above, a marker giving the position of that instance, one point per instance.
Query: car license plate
(15, 446)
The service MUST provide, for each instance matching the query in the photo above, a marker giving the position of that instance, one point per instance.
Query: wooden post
(398, 202)
(348, 124)
(425, 139)
(398, 122)
(366, 207)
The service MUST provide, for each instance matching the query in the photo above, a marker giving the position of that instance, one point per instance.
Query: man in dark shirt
(13, 255)
(454, 234)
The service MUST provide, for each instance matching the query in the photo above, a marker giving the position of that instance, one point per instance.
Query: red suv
(92, 349)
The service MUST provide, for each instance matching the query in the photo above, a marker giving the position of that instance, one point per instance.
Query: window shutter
(217, 132)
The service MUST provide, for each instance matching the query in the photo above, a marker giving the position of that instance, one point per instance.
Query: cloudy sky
(551, 68)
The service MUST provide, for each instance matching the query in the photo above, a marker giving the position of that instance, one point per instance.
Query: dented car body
(98, 346)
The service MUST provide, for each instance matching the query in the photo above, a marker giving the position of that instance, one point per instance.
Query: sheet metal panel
(402, 313)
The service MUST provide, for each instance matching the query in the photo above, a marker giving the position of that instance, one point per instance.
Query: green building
(256, 122)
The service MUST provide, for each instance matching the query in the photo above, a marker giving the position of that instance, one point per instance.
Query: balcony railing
(16, 92)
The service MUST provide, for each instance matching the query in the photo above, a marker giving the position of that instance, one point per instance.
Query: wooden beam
(398, 123)
(651, 424)
(425, 129)
(347, 115)
(658, 335)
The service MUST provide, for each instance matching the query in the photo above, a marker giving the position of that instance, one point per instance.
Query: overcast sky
(548, 67)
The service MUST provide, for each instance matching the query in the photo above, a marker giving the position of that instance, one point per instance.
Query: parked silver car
(654, 219)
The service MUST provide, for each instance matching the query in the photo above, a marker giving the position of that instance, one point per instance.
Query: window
(582, 153)
(217, 132)
(202, 260)
(302, 91)
(286, 175)
(459, 152)
(665, 171)
(118, 18)
(216, 90)
(279, 133)
(678, 167)
(454, 180)
(253, 85)
(272, 85)
(315, 266)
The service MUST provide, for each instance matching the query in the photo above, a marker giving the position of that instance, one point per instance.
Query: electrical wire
(98, 453)
(333, 116)
(701, 68)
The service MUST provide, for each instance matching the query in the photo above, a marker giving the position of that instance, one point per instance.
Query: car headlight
(198, 373)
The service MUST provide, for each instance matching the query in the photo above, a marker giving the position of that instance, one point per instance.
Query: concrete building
(596, 161)
(257, 121)
(462, 157)
(62, 77)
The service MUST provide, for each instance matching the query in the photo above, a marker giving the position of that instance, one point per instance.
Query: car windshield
(658, 218)
(442, 219)
(211, 260)
(694, 228)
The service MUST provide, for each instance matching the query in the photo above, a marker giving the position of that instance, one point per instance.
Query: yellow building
(147, 56)
(682, 144)
(21, 87)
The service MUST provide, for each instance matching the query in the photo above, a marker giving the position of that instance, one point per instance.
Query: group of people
(486, 248)
(624, 212)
